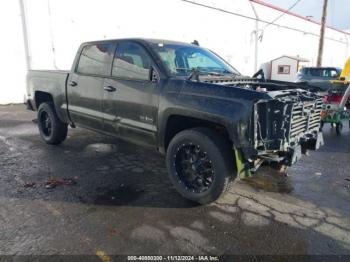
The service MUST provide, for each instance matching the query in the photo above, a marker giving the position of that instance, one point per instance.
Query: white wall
(55, 36)
(103, 19)
(12, 57)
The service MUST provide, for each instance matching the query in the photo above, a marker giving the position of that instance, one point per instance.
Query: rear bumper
(29, 105)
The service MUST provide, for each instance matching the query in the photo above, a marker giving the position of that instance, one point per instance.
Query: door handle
(110, 88)
(73, 83)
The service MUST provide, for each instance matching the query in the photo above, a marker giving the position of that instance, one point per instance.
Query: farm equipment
(336, 108)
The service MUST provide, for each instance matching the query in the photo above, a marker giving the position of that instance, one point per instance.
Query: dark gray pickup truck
(185, 101)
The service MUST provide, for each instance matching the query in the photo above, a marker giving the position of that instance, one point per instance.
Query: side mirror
(153, 75)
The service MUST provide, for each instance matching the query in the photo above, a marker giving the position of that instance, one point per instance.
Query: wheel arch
(43, 97)
(178, 122)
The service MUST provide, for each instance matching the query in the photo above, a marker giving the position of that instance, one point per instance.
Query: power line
(260, 20)
(277, 18)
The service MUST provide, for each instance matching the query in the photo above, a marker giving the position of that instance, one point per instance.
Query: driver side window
(131, 62)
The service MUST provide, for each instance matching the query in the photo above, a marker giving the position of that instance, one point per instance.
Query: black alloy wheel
(194, 168)
(52, 130)
(200, 164)
(46, 124)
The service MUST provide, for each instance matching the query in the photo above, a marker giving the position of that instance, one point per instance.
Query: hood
(223, 91)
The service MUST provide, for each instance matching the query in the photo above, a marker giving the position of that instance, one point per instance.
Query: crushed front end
(284, 128)
(281, 127)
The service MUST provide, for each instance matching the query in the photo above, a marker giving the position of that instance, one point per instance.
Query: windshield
(181, 60)
(324, 72)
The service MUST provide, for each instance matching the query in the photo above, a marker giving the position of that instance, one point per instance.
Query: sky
(337, 12)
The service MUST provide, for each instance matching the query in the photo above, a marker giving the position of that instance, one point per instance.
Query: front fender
(234, 115)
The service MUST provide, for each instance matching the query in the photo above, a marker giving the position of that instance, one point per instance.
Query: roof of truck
(144, 40)
(322, 67)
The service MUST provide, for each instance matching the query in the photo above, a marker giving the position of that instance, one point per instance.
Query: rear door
(130, 99)
(85, 85)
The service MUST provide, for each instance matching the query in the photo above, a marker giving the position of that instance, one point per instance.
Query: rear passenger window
(94, 60)
(316, 72)
(131, 62)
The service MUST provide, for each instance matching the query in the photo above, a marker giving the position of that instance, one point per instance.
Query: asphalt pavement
(116, 199)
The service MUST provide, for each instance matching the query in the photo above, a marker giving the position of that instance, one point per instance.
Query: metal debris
(52, 183)
(29, 184)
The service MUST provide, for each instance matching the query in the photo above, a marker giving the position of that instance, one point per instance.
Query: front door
(130, 99)
(85, 85)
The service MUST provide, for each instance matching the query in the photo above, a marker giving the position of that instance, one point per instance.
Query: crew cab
(212, 123)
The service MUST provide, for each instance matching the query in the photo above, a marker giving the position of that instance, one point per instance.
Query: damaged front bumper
(293, 153)
(296, 152)
(281, 131)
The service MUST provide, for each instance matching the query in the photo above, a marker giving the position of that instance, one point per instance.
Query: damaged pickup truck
(186, 102)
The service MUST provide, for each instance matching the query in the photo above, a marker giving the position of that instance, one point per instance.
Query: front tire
(200, 164)
(52, 130)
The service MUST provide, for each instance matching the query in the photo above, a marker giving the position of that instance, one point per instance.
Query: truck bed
(45, 79)
(52, 82)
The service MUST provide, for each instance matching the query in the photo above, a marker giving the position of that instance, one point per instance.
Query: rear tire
(200, 164)
(52, 130)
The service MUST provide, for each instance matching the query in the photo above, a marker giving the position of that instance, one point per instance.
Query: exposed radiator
(305, 117)
(281, 123)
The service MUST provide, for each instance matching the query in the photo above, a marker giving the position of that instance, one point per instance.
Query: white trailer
(285, 68)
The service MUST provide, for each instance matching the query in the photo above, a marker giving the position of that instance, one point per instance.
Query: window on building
(94, 60)
(284, 69)
(131, 62)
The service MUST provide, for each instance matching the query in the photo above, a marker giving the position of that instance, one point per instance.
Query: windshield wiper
(229, 72)
(184, 69)
(195, 73)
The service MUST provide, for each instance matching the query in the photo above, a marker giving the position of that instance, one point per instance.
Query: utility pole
(323, 24)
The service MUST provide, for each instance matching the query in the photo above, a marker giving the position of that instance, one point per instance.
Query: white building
(51, 30)
(285, 68)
